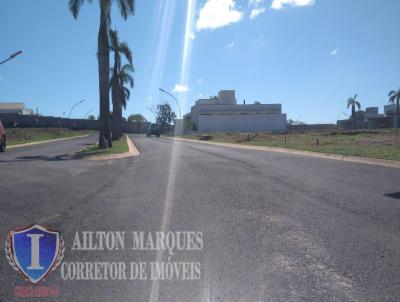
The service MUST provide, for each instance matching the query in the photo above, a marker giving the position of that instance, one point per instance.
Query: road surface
(275, 227)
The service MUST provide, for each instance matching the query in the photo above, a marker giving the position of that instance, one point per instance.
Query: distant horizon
(310, 56)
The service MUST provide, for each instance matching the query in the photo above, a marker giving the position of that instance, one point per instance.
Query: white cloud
(279, 4)
(149, 98)
(192, 36)
(334, 52)
(257, 8)
(231, 45)
(256, 11)
(200, 81)
(180, 88)
(218, 13)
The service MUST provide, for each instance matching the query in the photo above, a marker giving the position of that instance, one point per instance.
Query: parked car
(3, 138)
(153, 129)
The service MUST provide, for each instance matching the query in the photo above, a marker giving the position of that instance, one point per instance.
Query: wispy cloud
(180, 88)
(257, 11)
(334, 52)
(218, 13)
(149, 98)
(200, 81)
(279, 4)
(1, 78)
(230, 45)
(191, 36)
(257, 8)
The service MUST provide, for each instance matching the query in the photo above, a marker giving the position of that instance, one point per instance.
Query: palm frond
(126, 51)
(392, 96)
(350, 102)
(75, 5)
(127, 78)
(126, 8)
(128, 68)
(358, 105)
(114, 39)
(125, 95)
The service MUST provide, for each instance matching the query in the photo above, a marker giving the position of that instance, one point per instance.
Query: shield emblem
(34, 251)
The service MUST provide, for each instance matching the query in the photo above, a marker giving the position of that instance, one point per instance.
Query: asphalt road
(275, 227)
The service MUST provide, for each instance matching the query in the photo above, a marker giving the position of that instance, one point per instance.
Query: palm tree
(119, 48)
(353, 103)
(126, 7)
(122, 93)
(394, 97)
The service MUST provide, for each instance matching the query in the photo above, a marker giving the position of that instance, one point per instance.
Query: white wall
(198, 110)
(243, 123)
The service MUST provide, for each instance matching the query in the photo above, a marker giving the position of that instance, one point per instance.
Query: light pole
(344, 113)
(179, 107)
(80, 102)
(12, 56)
(87, 113)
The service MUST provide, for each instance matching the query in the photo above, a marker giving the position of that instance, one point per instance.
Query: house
(223, 114)
(371, 118)
(15, 108)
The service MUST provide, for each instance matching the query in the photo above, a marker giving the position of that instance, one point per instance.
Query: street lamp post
(80, 102)
(12, 56)
(87, 113)
(179, 107)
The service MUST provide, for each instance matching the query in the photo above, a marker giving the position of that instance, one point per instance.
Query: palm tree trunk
(104, 66)
(353, 113)
(115, 99)
(119, 119)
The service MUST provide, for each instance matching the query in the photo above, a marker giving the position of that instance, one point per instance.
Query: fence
(310, 127)
(11, 120)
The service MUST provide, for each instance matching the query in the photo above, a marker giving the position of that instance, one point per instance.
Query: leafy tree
(165, 115)
(188, 125)
(353, 103)
(91, 118)
(137, 118)
(394, 97)
(126, 7)
(118, 92)
(140, 120)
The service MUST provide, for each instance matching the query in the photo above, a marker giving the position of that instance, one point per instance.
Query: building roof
(12, 106)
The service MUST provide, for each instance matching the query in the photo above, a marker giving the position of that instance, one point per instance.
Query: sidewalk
(355, 159)
(43, 142)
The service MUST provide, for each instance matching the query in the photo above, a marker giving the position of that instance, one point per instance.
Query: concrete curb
(43, 142)
(354, 159)
(133, 151)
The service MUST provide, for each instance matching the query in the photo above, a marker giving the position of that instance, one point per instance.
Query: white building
(15, 108)
(221, 114)
(391, 111)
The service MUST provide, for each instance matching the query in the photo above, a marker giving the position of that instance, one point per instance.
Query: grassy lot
(382, 144)
(119, 146)
(16, 136)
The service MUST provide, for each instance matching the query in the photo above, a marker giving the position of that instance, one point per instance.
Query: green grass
(119, 146)
(382, 144)
(16, 136)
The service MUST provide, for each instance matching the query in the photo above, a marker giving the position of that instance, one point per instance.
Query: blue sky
(308, 55)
